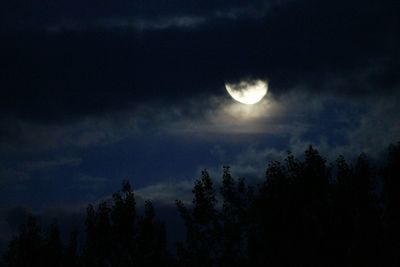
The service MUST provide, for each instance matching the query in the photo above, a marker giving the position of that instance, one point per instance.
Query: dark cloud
(27, 14)
(59, 76)
(96, 92)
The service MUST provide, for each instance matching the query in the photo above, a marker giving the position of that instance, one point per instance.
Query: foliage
(115, 236)
(305, 213)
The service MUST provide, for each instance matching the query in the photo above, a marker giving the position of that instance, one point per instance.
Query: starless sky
(96, 92)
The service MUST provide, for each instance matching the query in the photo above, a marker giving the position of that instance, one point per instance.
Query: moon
(247, 92)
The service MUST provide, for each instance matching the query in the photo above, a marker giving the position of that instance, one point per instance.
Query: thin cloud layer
(88, 13)
(63, 76)
(96, 93)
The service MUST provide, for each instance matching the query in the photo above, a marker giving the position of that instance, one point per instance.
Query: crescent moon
(247, 92)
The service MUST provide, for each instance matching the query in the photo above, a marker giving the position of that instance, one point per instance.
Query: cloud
(165, 193)
(187, 18)
(299, 117)
(229, 117)
(87, 13)
(12, 176)
(87, 132)
(334, 123)
(333, 78)
(64, 77)
(131, 24)
(158, 24)
(47, 164)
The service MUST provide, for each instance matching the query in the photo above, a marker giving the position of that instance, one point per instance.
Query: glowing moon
(247, 92)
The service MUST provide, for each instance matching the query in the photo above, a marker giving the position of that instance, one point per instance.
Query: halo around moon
(247, 92)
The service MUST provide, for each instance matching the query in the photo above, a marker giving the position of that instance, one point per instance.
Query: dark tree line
(115, 236)
(305, 213)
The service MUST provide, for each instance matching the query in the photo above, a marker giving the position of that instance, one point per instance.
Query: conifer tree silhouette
(26, 249)
(202, 246)
(234, 215)
(303, 214)
(391, 200)
(124, 219)
(71, 255)
(53, 248)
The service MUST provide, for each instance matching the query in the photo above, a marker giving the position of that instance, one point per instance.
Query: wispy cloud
(167, 192)
(12, 176)
(166, 20)
(154, 24)
(134, 24)
(47, 164)
(86, 132)
(298, 116)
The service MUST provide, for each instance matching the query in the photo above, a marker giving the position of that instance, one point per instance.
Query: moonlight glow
(247, 92)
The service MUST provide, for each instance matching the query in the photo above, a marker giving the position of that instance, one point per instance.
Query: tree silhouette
(118, 236)
(234, 219)
(341, 228)
(99, 245)
(26, 249)
(366, 215)
(201, 247)
(391, 200)
(305, 213)
(152, 243)
(71, 256)
(53, 249)
(123, 216)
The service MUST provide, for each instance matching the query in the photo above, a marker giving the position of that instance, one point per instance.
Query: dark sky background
(96, 92)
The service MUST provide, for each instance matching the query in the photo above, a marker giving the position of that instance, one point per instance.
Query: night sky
(93, 93)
